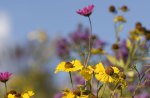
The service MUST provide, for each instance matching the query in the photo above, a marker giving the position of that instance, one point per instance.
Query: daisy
(105, 74)
(72, 66)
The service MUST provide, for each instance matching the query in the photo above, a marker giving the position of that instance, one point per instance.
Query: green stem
(117, 33)
(5, 88)
(121, 93)
(113, 92)
(71, 79)
(98, 89)
(139, 76)
(103, 91)
(89, 50)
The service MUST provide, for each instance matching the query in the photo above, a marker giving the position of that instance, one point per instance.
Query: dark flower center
(77, 92)
(122, 75)
(69, 65)
(112, 9)
(12, 92)
(109, 70)
(124, 8)
(115, 46)
(18, 95)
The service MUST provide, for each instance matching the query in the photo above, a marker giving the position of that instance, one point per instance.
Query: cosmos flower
(75, 65)
(4, 77)
(86, 11)
(105, 74)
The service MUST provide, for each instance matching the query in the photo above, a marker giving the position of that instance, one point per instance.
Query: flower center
(122, 75)
(109, 70)
(77, 92)
(69, 65)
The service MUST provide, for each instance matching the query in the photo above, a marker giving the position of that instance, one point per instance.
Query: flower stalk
(89, 43)
(71, 81)
(5, 88)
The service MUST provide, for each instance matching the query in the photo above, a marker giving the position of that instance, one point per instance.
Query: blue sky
(59, 17)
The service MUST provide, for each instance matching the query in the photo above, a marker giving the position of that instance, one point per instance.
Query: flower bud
(112, 9)
(138, 26)
(124, 8)
(115, 46)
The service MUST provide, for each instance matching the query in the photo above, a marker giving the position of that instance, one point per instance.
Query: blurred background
(31, 30)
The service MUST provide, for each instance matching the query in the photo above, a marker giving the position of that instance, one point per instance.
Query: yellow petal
(116, 70)
(30, 93)
(60, 67)
(99, 68)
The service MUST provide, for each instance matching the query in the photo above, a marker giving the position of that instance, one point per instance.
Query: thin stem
(117, 33)
(71, 79)
(6, 88)
(113, 92)
(103, 91)
(89, 50)
(139, 76)
(98, 89)
(121, 93)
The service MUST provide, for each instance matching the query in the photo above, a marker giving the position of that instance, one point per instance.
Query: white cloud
(5, 25)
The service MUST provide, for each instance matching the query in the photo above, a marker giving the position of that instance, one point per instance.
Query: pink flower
(86, 11)
(4, 77)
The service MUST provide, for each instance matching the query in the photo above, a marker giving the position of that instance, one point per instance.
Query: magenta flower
(4, 77)
(86, 11)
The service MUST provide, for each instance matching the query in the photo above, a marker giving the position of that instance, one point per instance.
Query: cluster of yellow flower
(14, 94)
(104, 75)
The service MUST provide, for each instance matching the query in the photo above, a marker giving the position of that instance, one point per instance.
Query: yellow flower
(87, 72)
(69, 66)
(119, 19)
(119, 79)
(11, 96)
(28, 94)
(68, 94)
(105, 74)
